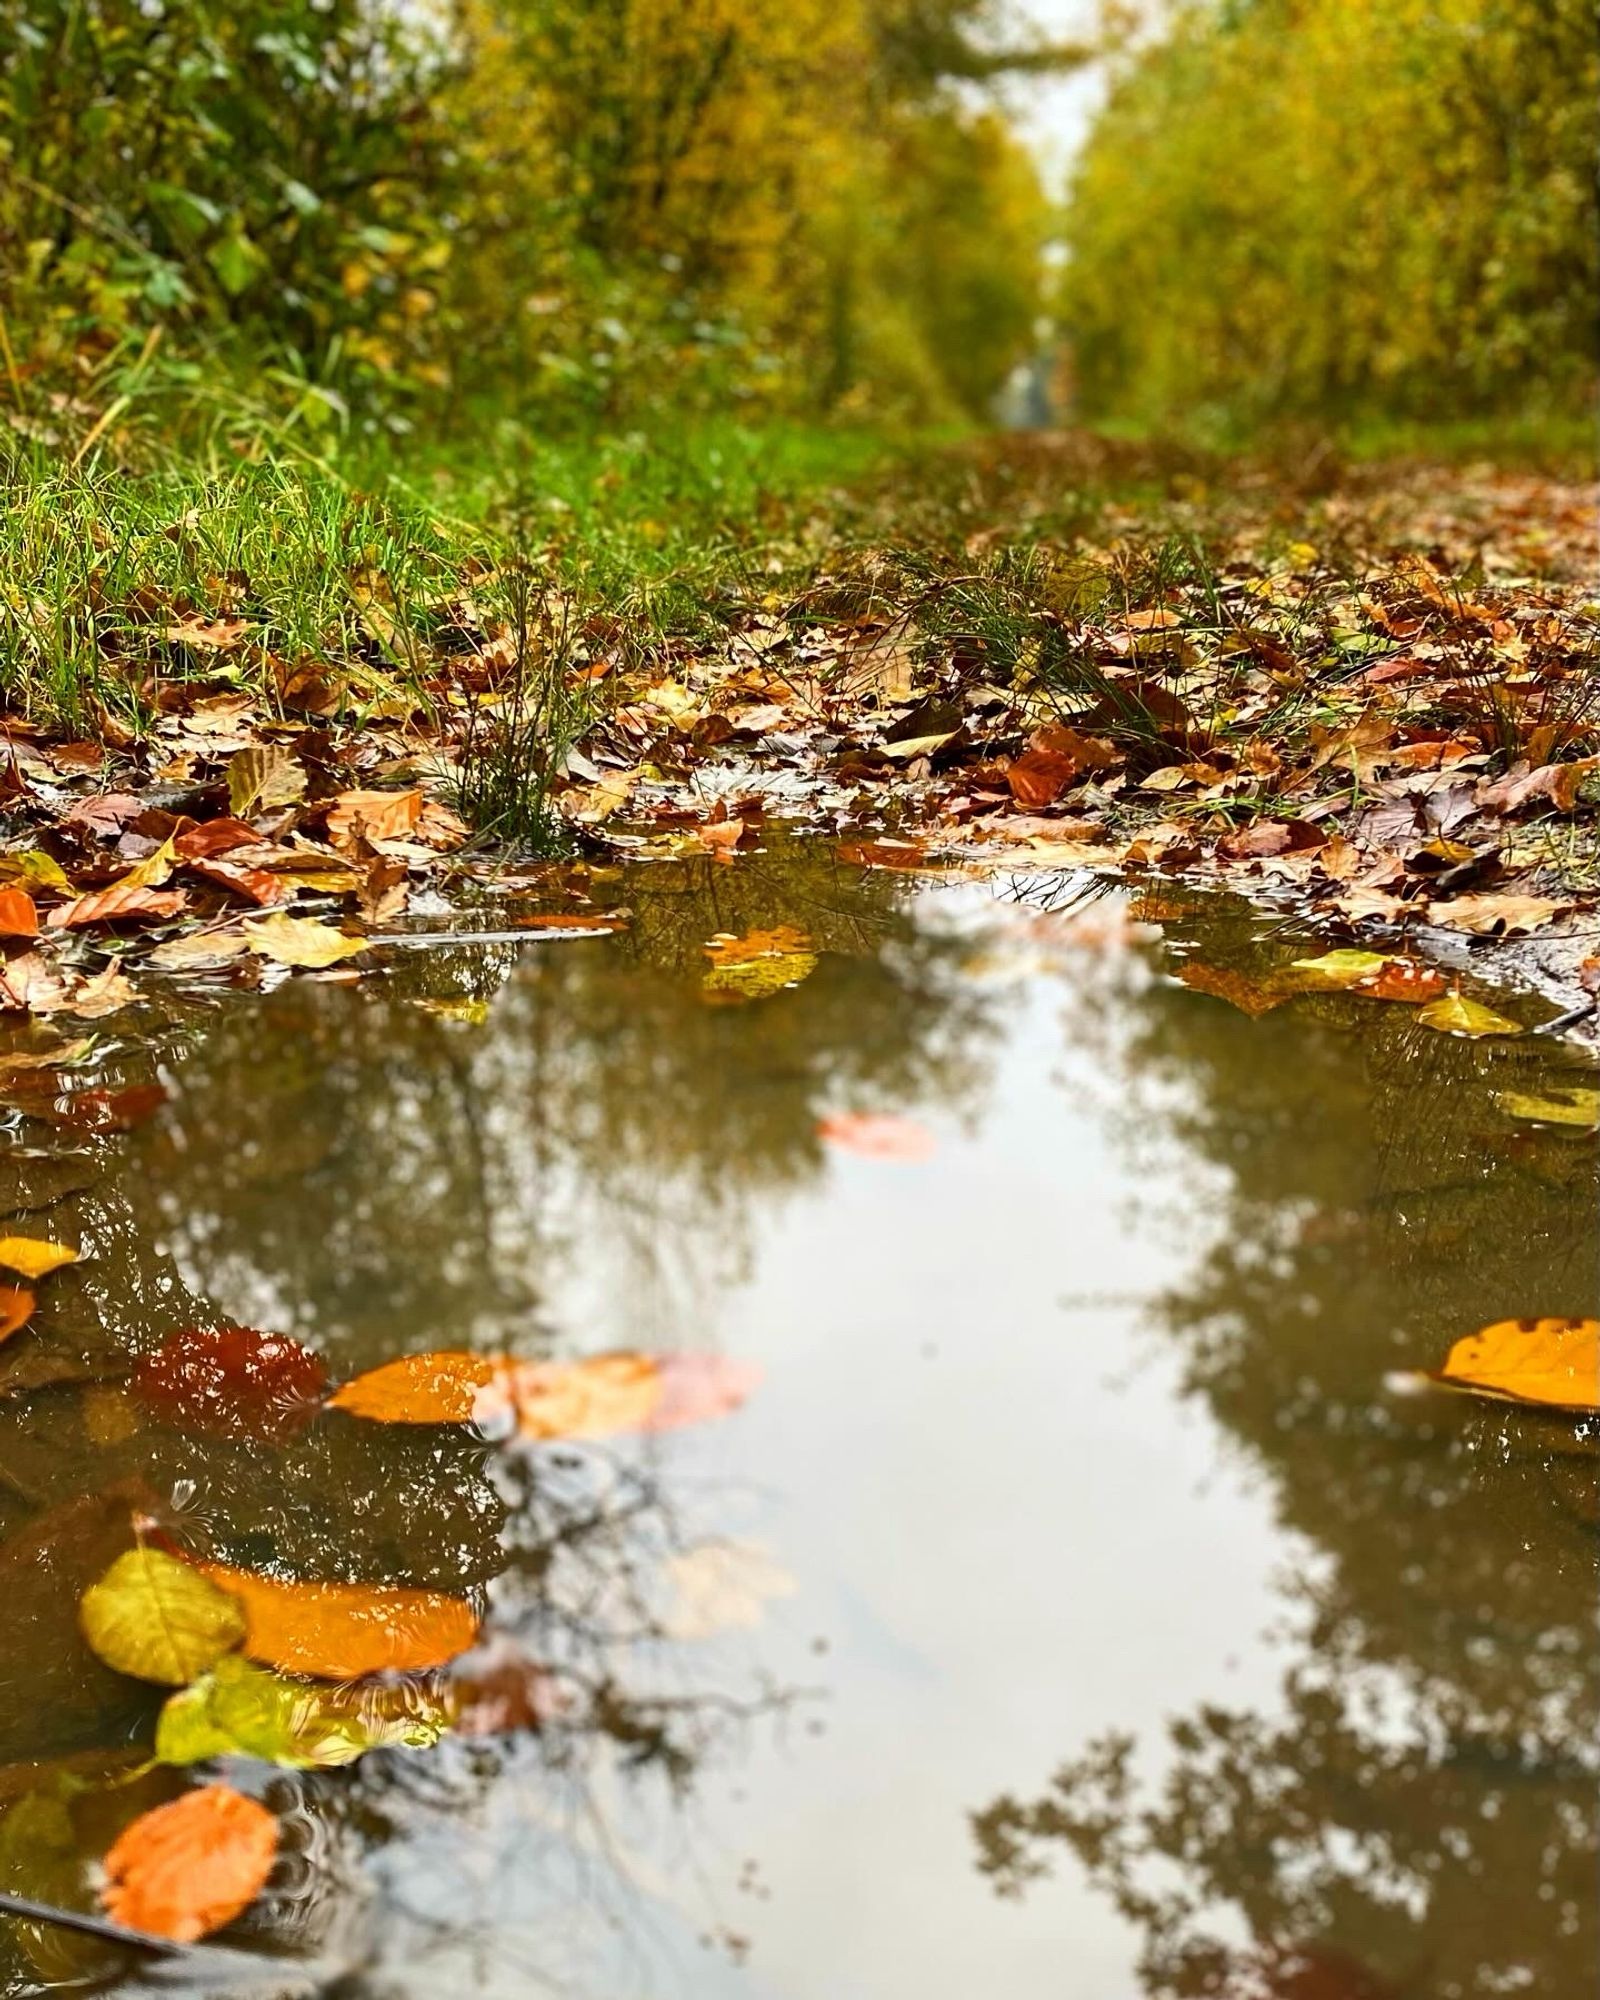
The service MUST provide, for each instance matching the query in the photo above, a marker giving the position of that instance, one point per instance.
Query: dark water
(1070, 1612)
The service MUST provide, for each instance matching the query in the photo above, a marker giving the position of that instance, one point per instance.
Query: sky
(1054, 113)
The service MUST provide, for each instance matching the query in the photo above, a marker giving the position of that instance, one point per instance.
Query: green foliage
(266, 168)
(1341, 207)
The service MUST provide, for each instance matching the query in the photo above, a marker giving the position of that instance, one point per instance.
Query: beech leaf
(157, 1618)
(33, 1256)
(1455, 1014)
(300, 941)
(341, 1631)
(1551, 1362)
(188, 1868)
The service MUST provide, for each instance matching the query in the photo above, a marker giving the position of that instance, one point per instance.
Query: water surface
(1071, 1455)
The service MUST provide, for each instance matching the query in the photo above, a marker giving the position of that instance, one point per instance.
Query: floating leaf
(1551, 1362)
(877, 1135)
(300, 940)
(599, 1396)
(33, 1256)
(1251, 996)
(341, 1631)
(1405, 980)
(231, 1380)
(186, 1869)
(16, 1309)
(1342, 968)
(759, 964)
(1455, 1014)
(240, 1710)
(1580, 1108)
(159, 1619)
(721, 1587)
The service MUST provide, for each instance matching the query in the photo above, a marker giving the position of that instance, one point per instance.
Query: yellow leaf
(759, 964)
(1553, 1362)
(1342, 968)
(159, 1619)
(300, 941)
(152, 871)
(33, 1256)
(1455, 1014)
(1580, 1108)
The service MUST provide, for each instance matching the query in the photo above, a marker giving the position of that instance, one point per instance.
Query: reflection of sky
(1001, 1520)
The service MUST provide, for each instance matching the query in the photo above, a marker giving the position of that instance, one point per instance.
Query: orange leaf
(16, 1309)
(876, 1135)
(1552, 1362)
(18, 916)
(186, 1869)
(121, 903)
(343, 1631)
(1039, 777)
(259, 885)
(1405, 980)
(1251, 996)
(377, 815)
(600, 1396)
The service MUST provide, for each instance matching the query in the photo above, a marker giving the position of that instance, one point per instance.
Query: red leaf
(231, 1381)
(217, 836)
(259, 885)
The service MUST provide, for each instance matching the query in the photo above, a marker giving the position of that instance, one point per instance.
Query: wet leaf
(16, 1309)
(18, 916)
(1251, 996)
(1487, 916)
(300, 941)
(242, 1710)
(1406, 981)
(1575, 1107)
(186, 1869)
(759, 964)
(263, 775)
(1341, 968)
(1455, 1014)
(157, 1618)
(342, 1631)
(231, 1381)
(122, 903)
(200, 951)
(33, 1256)
(877, 1135)
(600, 1396)
(1551, 1362)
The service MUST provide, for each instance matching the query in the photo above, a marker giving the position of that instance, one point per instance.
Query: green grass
(351, 560)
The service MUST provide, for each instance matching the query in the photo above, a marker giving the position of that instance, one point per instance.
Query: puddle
(1071, 1453)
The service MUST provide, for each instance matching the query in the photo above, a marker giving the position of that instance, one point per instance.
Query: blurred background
(1202, 213)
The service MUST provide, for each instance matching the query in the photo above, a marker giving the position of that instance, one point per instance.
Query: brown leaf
(1039, 777)
(1495, 915)
(217, 836)
(186, 1869)
(257, 885)
(264, 775)
(1251, 996)
(120, 904)
(1559, 783)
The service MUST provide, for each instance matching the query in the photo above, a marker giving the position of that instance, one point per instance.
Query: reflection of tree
(407, 1179)
(1422, 1806)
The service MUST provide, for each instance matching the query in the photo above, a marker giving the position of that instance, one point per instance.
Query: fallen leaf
(108, 992)
(598, 1396)
(1039, 777)
(1576, 1106)
(876, 1135)
(501, 1693)
(258, 885)
(200, 951)
(18, 915)
(1551, 1362)
(300, 941)
(29, 985)
(240, 1710)
(33, 1256)
(16, 1309)
(122, 903)
(379, 816)
(152, 871)
(264, 775)
(1251, 996)
(758, 964)
(1341, 968)
(157, 1618)
(231, 1381)
(1405, 980)
(187, 1869)
(341, 1631)
(1487, 916)
(35, 868)
(217, 836)
(1455, 1014)
(111, 1110)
